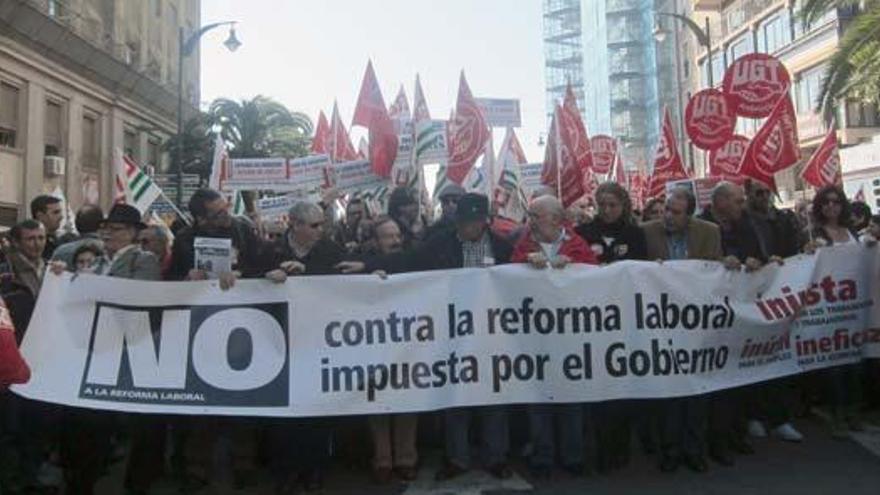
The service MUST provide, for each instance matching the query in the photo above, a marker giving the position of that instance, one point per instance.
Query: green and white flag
(238, 208)
(133, 186)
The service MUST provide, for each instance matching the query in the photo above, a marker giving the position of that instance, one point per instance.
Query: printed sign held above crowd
(709, 119)
(754, 84)
(500, 112)
(726, 160)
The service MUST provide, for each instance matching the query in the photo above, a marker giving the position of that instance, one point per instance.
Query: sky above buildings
(308, 53)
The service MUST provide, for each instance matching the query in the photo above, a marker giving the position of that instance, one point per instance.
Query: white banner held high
(356, 176)
(500, 112)
(530, 177)
(344, 345)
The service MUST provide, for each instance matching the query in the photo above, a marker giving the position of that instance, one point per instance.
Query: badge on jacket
(621, 250)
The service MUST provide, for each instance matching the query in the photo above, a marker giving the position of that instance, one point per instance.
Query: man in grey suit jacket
(679, 236)
(85, 441)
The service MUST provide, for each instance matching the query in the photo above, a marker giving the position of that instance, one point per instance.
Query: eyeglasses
(449, 199)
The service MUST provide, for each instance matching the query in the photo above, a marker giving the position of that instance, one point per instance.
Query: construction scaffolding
(563, 51)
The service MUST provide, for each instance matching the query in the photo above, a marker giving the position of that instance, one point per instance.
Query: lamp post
(704, 37)
(185, 48)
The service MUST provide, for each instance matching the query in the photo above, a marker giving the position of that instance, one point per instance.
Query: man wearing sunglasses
(210, 212)
(300, 447)
(449, 197)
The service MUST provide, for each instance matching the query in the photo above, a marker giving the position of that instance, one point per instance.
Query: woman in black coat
(614, 236)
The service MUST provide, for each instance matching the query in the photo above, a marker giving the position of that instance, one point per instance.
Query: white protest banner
(345, 345)
(256, 173)
(500, 112)
(530, 177)
(307, 173)
(277, 174)
(356, 176)
(275, 207)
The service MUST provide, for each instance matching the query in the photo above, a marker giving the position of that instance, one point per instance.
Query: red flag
(420, 106)
(637, 182)
(561, 168)
(574, 132)
(400, 108)
(467, 134)
(13, 368)
(372, 114)
(823, 169)
(667, 164)
(320, 143)
(604, 150)
(341, 149)
(619, 172)
(775, 147)
(725, 161)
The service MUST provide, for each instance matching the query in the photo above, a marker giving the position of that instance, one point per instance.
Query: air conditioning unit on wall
(53, 165)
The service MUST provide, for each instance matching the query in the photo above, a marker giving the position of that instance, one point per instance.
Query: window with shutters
(52, 135)
(9, 106)
(129, 143)
(90, 142)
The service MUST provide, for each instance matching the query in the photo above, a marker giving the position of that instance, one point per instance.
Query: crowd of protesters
(43, 446)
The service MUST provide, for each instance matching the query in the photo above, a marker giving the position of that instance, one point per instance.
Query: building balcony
(708, 4)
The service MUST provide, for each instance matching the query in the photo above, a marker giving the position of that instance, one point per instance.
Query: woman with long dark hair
(614, 236)
(832, 226)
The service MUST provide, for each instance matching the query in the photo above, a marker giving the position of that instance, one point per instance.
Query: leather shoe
(408, 473)
(382, 476)
(721, 457)
(740, 446)
(449, 471)
(668, 464)
(501, 471)
(540, 473)
(576, 470)
(696, 463)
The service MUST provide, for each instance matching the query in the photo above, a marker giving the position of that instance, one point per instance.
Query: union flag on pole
(372, 114)
(320, 143)
(561, 167)
(667, 163)
(400, 108)
(420, 106)
(467, 134)
(574, 132)
(133, 186)
(823, 169)
(340, 149)
(775, 147)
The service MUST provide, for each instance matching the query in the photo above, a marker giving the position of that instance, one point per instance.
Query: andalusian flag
(238, 209)
(133, 186)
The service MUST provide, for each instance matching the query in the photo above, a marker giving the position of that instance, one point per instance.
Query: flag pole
(175, 208)
(558, 154)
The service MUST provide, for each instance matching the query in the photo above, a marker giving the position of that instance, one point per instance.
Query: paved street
(821, 465)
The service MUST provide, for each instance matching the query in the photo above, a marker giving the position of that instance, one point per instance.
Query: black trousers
(683, 426)
(298, 446)
(85, 448)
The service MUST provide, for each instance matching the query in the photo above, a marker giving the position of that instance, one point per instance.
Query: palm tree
(261, 127)
(198, 145)
(854, 70)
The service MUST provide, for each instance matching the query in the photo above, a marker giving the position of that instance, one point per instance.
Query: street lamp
(703, 37)
(185, 48)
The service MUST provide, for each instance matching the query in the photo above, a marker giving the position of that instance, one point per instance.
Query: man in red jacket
(548, 242)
